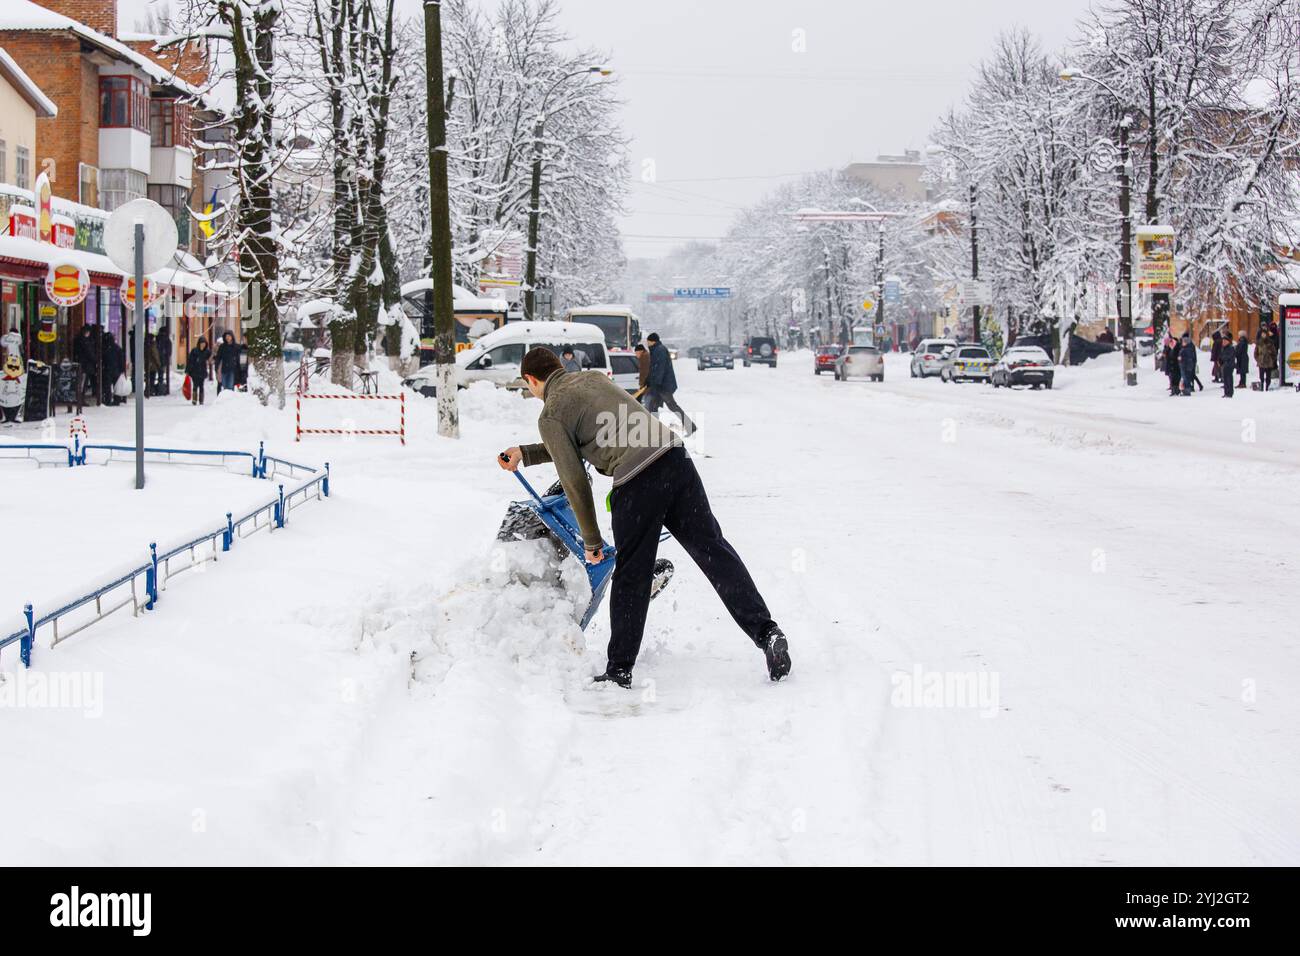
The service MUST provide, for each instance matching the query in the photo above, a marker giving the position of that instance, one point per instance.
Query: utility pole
(879, 319)
(444, 344)
(1125, 258)
(975, 263)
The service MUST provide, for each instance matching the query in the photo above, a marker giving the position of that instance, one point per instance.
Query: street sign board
(702, 292)
(868, 305)
(893, 291)
(974, 292)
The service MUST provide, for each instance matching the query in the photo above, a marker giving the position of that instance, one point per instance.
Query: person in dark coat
(1243, 358)
(1171, 364)
(1187, 364)
(114, 366)
(226, 362)
(1216, 354)
(83, 353)
(198, 368)
(663, 382)
(1227, 365)
(164, 384)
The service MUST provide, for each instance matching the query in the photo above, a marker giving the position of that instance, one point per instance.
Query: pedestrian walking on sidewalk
(226, 362)
(198, 365)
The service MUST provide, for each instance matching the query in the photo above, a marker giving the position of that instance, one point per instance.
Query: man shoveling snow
(587, 417)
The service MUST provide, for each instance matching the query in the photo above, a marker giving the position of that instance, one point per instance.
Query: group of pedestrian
(1229, 360)
(202, 364)
(1180, 365)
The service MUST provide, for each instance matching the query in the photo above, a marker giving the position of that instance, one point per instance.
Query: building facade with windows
(123, 130)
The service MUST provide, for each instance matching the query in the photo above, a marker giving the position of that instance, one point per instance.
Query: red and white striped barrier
(400, 431)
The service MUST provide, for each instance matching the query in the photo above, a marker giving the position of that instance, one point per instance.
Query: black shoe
(617, 675)
(777, 653)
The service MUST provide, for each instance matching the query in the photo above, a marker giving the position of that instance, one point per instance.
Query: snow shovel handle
(524, 481)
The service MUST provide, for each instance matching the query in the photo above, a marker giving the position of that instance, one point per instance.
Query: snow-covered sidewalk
(1103, 569)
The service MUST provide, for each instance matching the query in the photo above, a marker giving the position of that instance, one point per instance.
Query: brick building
(124, 129)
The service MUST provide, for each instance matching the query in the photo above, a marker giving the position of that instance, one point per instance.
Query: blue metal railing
(157, 570)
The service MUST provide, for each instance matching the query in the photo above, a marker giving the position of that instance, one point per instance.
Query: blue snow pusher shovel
(551, 516)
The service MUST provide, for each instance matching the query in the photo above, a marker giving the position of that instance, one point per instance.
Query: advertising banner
(1155, 258)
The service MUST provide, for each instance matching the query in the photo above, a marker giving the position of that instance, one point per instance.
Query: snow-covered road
(1027, 627)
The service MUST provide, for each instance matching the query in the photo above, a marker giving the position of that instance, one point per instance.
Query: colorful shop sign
(66, 283)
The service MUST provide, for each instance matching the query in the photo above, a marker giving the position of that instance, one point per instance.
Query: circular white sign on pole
(160, 237)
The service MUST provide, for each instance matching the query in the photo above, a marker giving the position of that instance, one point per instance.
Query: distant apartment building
(892, 175)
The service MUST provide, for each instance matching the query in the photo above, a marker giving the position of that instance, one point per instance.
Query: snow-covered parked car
(966, 363)
(860, 361)
(625, 369)
(496, 356)
(928, 357)
(1023, 365)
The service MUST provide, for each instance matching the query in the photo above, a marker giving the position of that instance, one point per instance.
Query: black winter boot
(617, 675)
(777, 653)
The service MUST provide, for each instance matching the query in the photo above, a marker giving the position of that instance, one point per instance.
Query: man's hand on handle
(595, 555)
(510, 458)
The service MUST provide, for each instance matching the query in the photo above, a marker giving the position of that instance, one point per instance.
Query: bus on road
(618, 322)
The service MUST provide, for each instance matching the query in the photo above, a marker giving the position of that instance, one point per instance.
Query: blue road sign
(893, 291)
(702, 293)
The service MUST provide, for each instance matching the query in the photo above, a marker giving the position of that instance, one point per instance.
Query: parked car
(860, 361)
(715, 356)
(966, 363)
(625, 369)
(1023, 365)
(824, 358)
(496, 356)
(928, 357)
(760, 350)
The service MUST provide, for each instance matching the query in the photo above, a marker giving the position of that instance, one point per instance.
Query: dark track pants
(658, 398)
(669, 494)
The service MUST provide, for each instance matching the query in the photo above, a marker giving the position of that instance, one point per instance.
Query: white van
(496, 356)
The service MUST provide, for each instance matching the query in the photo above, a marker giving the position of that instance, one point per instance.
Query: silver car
(860, 361)
(966, 363)
(927, 358)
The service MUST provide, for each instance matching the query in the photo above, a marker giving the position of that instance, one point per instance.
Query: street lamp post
(1125, 303)
(535, 191)
(976, 337)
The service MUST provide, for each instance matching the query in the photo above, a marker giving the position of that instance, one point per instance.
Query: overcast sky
(723, 105)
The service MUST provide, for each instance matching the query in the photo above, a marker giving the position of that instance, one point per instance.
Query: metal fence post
(279, 509)
(151, 577)
(259, 466)
(25, 646)
(228, 536)
(325, 485)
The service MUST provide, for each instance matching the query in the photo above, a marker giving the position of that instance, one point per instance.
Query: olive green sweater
(587, 417)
